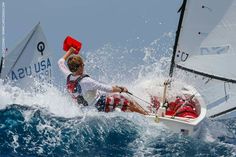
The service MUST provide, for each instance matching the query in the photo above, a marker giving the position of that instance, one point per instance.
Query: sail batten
(206, 75)
(223, 112)
(205, 65)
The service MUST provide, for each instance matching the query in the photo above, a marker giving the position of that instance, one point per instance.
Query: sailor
(88, 91)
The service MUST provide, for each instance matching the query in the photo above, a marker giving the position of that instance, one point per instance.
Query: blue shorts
(101, 104)
(110, 102)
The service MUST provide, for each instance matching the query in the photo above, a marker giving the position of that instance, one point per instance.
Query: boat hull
(182, 125)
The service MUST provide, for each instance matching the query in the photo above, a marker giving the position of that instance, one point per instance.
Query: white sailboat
(29, 61)
(184, 109)
(205, 48)
(204, 54)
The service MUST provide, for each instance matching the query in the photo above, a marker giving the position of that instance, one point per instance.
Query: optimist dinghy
(204, 52)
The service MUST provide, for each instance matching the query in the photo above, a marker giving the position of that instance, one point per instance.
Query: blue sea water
(44, 134)
(50, 124)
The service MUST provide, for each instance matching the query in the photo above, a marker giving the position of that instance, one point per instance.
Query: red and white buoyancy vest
(182, 108)
(74, 88)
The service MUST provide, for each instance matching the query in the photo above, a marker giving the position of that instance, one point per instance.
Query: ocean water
(49, 123)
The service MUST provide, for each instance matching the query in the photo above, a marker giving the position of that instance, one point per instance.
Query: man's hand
(71, 50)
(119, 89)
(123, 89)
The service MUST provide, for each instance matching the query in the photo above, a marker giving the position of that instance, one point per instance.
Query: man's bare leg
(135, 107)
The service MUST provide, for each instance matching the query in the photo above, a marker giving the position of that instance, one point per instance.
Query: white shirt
(91, 89)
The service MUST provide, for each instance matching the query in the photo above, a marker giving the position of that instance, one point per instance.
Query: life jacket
(181, 108)
(74, 88)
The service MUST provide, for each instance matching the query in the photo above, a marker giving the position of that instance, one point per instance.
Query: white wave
(55, 101)
(142, 70)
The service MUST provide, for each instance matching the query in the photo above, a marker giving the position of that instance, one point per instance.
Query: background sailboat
(205, 50)
(29, 61)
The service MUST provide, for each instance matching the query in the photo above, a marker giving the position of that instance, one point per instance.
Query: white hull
(185, 126)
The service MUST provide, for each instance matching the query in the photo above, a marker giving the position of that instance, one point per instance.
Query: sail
(206, 46)
(206, 38)
(29, 61)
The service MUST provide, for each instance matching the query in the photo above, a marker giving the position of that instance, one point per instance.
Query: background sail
(29, 61)
(206, 42)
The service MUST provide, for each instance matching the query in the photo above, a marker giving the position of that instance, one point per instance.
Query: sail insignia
(29, 62)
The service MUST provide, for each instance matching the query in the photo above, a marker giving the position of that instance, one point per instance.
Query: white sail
(206, 46)
(29, 61)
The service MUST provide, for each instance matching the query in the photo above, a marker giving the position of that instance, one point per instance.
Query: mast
(182, 9)
(3, 39)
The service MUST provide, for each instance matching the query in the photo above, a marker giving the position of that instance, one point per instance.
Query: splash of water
(51, 123)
